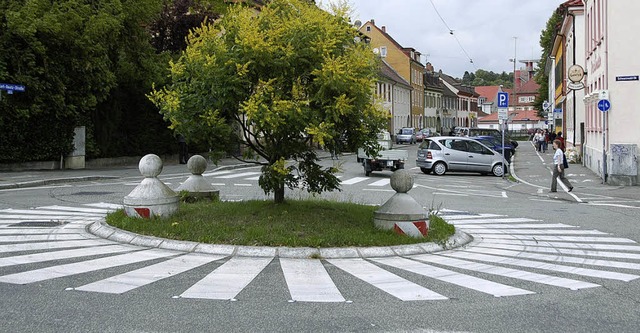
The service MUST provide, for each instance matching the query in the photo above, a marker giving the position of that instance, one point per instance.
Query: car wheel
(497, 170)
(425, 170)
(439, 168)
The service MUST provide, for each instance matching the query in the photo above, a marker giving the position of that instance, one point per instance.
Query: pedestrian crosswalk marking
(8, 248)
(386, 281)
(556, 258)
(381, 182)
(54, 272)
(228, 280)
(462, 280)
(38, 231)
(49, 237)
(530, 248)
(320, 288)
(561, 238)
(489, 220)
(237, 175)
(63, 254)
(596, 246)
(135, 279)
(542, 265)
(538, 232)
(514, 226)
(353, 180)
(100, 211)
(105, 205)
(506, 272)
(36, 212)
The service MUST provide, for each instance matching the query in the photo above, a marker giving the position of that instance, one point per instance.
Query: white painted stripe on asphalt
(36, 212)
(562, 238)
(141, 277)
(555, 258)
(353, 180)
(54, 272)
(615, 247)
(497, 220)
(514, 226)
(238, 175)
(606, 254)
(77, 209)
(228, 280)
(50, 217)
(381, 182)
(52, 245)
(217, 173)
(41, 231)
(64, 254)
(308, 281)
(105, 205)
(538, 232)
(506, 272)
(253, 178)
(465, 217)
(50, 237)
(386, 281)
(462, 280)
(542, 265)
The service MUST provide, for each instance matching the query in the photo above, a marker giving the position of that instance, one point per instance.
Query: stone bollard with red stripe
(401, 212)
(152, 197)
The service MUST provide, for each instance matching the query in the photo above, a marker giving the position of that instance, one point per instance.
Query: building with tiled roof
(394, 92)
(487, 98)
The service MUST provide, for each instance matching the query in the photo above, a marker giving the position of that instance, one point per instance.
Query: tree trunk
(279, 194)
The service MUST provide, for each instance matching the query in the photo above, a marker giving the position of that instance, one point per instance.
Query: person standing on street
(182, 149)
(558, 168)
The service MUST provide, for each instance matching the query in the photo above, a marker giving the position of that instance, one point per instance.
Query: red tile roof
(489, 92)
(520, 116)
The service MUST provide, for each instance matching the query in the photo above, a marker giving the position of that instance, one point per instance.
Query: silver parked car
(454, 153)
(406, 134)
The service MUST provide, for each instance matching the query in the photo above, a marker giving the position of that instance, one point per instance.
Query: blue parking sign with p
(503, 100)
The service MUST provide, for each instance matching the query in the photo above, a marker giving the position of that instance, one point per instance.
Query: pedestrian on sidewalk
(182, 149)
(558, 168)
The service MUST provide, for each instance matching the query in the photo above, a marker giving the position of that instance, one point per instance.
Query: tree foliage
(264, 87)
(489, 78)
(546, 42)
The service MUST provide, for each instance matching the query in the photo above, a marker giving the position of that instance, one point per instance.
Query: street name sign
(11, 87)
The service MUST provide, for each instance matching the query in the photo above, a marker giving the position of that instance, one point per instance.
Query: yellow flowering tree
(264, 87)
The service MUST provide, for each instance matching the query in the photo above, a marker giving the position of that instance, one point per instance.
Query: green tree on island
(265, 87)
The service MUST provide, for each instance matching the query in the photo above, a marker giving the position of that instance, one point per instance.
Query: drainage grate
(39, 224)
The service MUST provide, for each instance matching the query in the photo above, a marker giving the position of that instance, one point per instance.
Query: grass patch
(304, 223)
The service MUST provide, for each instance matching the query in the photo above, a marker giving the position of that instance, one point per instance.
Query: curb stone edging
(102, 229)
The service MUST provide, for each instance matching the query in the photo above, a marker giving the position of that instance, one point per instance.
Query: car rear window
(428, 144)
(407, 131)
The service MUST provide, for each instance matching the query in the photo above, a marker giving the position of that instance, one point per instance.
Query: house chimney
(384, 29)
(373, 22)
(429, 67)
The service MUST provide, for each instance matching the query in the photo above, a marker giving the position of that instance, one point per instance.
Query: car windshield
(406, 131)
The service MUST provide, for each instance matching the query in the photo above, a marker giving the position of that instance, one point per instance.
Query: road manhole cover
(39, 224)
(93, 193)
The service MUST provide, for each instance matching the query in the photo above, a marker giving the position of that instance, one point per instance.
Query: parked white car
(454, 153)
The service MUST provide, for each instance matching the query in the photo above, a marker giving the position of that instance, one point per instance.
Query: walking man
(558, 168)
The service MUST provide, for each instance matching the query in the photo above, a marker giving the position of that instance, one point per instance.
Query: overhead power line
(451, 32)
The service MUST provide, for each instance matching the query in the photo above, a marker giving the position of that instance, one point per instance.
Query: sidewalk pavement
(534, 168)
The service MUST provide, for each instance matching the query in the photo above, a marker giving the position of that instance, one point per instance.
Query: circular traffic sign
(604, 105)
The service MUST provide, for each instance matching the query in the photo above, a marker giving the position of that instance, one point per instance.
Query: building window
(383, 51)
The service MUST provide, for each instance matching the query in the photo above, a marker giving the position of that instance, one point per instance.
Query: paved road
(517, 261)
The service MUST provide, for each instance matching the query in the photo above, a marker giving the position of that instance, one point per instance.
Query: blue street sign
(557, 110)
(11, 87)
(604, 105)
(503, 100)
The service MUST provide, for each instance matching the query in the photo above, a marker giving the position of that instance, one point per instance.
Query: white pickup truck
(387, 158)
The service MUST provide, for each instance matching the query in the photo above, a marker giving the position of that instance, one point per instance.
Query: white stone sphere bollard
(152, 197)
(196, 186)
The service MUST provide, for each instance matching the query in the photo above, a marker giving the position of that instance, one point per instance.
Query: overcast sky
(483, 30)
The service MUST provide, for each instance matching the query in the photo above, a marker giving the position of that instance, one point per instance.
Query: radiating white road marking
(514, 226)
(52, 245)
(353, 180)
(84, 266)
(498, 220)
(381, 182)
(64, 254)
(462, 280)
(634, 248)
(50, 237)
(39, 231)
(308, 281)
(228, 280)
(238, 175)
(472, 217)
(217, 173)
(104, 205)
(386, 281)
(556, 258)
(542, 265)
(507, 272)
(606, 254)
(134, 279)
(101, 211)
(538, 232)
(35, 212)
(562, 238)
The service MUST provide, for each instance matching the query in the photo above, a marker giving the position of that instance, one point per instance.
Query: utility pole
(515, 94)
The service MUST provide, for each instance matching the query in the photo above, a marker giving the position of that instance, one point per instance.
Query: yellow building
(405, 61)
